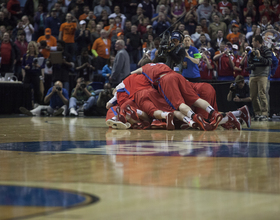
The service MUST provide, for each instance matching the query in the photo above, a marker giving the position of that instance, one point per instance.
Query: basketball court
(78, 168)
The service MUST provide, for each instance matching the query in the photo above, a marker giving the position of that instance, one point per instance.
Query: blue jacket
(106, 69)
(274, 65)
(53, 24)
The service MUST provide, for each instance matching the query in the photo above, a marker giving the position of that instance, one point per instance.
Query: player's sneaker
(169, 121)
(228, 126)
(158, 124)
(184, 126)
(245, 115)
(233, 120)
(201, 122)
(216, 118)
(117, 124)
(130, 111)
(119, 116)
(25, 111)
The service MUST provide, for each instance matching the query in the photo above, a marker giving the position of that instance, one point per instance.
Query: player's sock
(164, 114)
(139, 112)
(188, 121)
(210, 109)
(190, 114)
(236, 113)
(224, 120)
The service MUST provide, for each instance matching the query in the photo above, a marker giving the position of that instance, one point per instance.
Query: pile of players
(154, 96)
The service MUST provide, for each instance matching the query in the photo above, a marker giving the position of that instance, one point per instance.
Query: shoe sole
(25, 111)
(218, 120)
(110, 123)
(119, 116)
(169, 122)
(58, 112)
(120, 125)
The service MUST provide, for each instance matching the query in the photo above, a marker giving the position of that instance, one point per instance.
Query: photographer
(173, 51)
(58, 98)
(81, 95)
(259, 62)
(239, 92)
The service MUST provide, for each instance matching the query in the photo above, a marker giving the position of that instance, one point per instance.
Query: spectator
(227, 17)
(166, 4)
(215, 11)
(107, 69)
(39, 22)
(101, 50)
(53, 23)
(127, 28)
(28, 28)
(13, 7)
(82, 37)
(202, 42)
(82, 95)
(121, 66)
(264, 23)
(191, 22)
(234, 36)
(251, 33)
(247, 27)
(51, 43)
(177, 8)
(110, 28)
(58, 98)
(204, 11)
(33, 70)
(61, 70)
(103, 18)
(60, 14)
(276, 52)
(84, 65)
(215, 26)
(239, 93)
(266, 10)
(191, 4)
(160, 25)
(138, 17)
(244, 63)
(196, 35)
(85, 14)
(149, 45)
(134, 42)
(67, 33)
(225, 61)
(96, 33)
(153, 52)
(250, 10)
(99, 8)
(9, 53)
(204, 25)
(275, 10)
(191, 61)
(223, 5)
(206, 65)
(30, 8)
(117, 13)
(162, 8)
(22, 46)
(237, 70)
(105, 95)
(259, 77)
(148, 8)
(5, 21)
(91, 26)
(220, 38)
(142, 27)
(90, 17)
(77, 6)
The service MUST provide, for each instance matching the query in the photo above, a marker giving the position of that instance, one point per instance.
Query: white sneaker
(117, 124)
(73, 112)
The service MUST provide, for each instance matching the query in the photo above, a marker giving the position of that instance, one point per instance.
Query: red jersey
(222, 6)
(266, 13)
(6, 52)
(224, 68)
(153, 71)
(205, 73)
(236, 62)
(135, 83)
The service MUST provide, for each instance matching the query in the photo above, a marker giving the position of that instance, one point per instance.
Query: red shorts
(122, 97)
(175, 88)
(149, 101)
(208, 93)
(110, 113)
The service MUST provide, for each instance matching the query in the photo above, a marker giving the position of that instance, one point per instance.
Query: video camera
(252, 59)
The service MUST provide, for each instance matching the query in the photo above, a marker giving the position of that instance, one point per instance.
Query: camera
(164, 44)
(233, 87)
(83, 85)
(58, 88)
(35, 60)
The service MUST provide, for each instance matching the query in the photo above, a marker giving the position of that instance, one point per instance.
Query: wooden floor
(77, 168)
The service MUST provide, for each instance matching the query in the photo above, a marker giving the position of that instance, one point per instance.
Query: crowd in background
(87, 31)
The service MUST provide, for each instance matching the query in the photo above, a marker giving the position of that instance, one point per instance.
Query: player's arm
(138, 71)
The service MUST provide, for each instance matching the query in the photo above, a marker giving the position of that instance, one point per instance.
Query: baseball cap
(235, 25)
(53, 9)
(175, 35)
(48, 31)
(235, 46)
(82, 22)
(119, 34)
(149, 26)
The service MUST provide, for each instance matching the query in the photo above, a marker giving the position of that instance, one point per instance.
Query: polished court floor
(77, 168)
